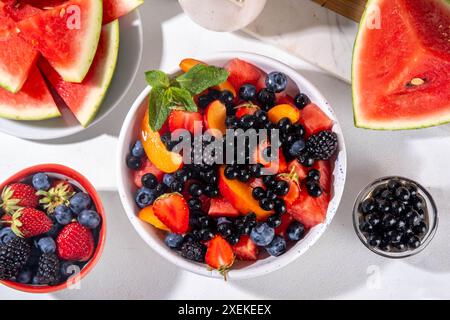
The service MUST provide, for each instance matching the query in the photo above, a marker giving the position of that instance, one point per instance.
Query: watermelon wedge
(67, 36)
(16, 55)
(401, 65)
(114, 9)
(33, 102)
(84, 99)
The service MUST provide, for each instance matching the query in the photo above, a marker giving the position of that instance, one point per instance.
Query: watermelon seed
(416, 82)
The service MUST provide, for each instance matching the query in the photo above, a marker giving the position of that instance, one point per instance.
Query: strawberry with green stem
(59, 194)
(16, 196)
(29, 222)
(220, 255)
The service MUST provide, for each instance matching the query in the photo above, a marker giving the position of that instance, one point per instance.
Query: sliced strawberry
(220, 207)
(147, 167)
(315, 120)
(173, 212)
(324, 167)
(180, 119)
(298, 169)
(220, 255)
(246, 249)
(242, 72)
(286, 220)
(308, 210)
(246, 109)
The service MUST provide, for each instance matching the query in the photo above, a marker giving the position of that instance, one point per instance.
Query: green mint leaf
(157, 78)
(159, 102)
(202, 77)
(182, 98)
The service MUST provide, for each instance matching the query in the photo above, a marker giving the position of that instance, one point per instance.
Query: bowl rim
(234, 274)
(84, 182)
(397, 255)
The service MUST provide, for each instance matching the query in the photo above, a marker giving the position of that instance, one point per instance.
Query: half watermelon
(114, 9)
(67, 36)
(32, 102)
(401, 65)
(84, 99)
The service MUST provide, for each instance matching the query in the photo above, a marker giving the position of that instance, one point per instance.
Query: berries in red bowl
(52, 228)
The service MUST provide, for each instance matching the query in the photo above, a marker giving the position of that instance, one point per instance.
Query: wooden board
(352, 9)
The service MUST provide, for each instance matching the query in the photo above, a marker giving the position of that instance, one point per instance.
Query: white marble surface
(337, 267)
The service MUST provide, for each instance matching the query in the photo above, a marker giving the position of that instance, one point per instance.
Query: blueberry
(296, 148)
(174, 241)
(68, 268)
(89, 218)
(63, 214)
(79, 202)
(46, 245)
(133, 163)
(301, 100)
(276, 81)
(247, 92)
(262, 235)
(295, 231)
(226, 97)
(36, 280)
(6, 235)
(277, 247)
(138, 149)
(24, 276)
(149, 180)
(145, 197)
(56, 228)
(41, 181)
(168, 179)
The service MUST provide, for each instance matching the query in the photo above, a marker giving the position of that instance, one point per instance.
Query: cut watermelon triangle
(33, 102)
(67, 36)
(16, 55)
(114, 9)
(84, 99)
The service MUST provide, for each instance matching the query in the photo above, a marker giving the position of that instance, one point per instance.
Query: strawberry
(220, 207)
(30, 222)
(173, 212)
(180, 119)
(59, 194)
(308, 210)
(219, 255)
(75, 243)
(62, 183)
(246, 249)
(242, 72)
(324, 167)
(18, 195)
(147, 167)
(246, 109)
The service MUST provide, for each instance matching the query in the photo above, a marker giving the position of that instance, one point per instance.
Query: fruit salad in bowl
(52, 229)
(231, 166)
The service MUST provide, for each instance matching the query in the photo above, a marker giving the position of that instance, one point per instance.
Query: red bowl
(80, 181)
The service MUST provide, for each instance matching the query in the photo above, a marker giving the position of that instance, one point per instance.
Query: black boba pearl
(376, 193)
(280, 206)
(195, 190)
(383, 206)
(366, 227)
(402, 194)
(233, 239)
(214, 94)
(306, 160)
(301, 100)
(314, 189)
(225, 229)
(412, 218)
(401, 225)
(204, 222)
(368, 206)
(393, 184)
(269, 181)
(394, 236)
(400, 246)
(160, 189)
(261, 116)
(244, 175)
(389, 221)
(274, 221)
(271, 195)
(397, 207)
(176, 186)
(373, 219)
(314, 175)
(232, 122)
(417, 202)
(266, 204)
(230, 173)
(247, 121)
(297, 130)
(134, 163)
(413, 242)
(374, 240)
(210, 177)
(255, 170)
(420, 229)
(203, 101)
(149, 180)
(387, 195)
(266, 98)
(195, 204)
(258, 193)
(412, 189)
(226, 97)
(281, 188)
(211, 191)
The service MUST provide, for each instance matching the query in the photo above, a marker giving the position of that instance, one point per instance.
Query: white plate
(241, 270)
(130, 55)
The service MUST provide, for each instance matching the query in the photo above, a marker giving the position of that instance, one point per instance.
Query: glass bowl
(431, 218)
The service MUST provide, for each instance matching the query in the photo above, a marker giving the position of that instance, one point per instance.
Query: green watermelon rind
(91, 107)
(392, 126)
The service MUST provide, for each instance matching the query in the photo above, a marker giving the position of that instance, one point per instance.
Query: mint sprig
(167, 95)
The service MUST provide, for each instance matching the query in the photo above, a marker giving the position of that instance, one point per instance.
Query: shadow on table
(128, 268)
(153, 52)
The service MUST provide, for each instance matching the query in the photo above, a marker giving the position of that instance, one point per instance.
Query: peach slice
(148, 215)
(240, 196)
(284, 111)
(214, 118)
(187, 64)
(156, 151)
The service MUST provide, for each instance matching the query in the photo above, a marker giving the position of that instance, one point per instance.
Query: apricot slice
(156, 151)
(284, 111)
(148, 215)
(240, 196)
(215, 116)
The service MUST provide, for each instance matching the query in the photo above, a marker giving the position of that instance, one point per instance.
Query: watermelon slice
(84, 99)
(401, 67)
(18, 10)
(114, 9)
(67, 36)
(16, 55)
(33, 102)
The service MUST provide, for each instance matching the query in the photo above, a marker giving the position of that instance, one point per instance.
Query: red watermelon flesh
(16, 55)
(114, 9)
(84, 99)
(401, 71)
(67, 36)
(32, 102)
(242, 72)
(18, 10)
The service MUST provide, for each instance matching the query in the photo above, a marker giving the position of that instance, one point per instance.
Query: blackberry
(193, 250)
(322, 146)
(49, 269)
(13, 256)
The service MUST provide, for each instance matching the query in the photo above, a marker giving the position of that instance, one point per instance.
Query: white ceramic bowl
(241, 270)
(130, 54)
